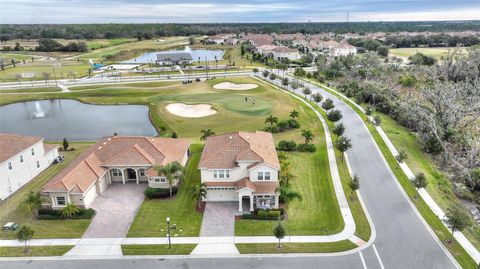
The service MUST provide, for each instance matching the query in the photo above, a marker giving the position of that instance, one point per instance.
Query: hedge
(287, 145)
(265, 214)
(306, 148)
(50, 214)
(158, 193)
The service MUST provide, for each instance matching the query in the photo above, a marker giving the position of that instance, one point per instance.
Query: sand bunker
(233, 86)
(191, 111)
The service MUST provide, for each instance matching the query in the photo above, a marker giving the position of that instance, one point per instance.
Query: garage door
(216, 194)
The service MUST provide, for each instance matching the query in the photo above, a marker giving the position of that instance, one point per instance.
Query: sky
(212, 11)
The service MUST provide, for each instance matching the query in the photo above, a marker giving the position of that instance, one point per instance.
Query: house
(241, 166)
(21, 159)
(279, 52)
(219, 39)
(116, 159)
(343, 49)
(174, 58)
(258, 39)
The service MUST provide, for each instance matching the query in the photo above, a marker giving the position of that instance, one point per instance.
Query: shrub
(306, 148)
(420, 181)
(271, 129)
(283, 126)
(158, 193)
(287, 145)
(50, 214)
(268, 214)
(294, 124)
(334, 115)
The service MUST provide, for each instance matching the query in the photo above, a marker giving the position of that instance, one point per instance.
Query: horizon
(227, 11)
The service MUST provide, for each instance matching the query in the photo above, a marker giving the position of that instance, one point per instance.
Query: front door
(131, 174)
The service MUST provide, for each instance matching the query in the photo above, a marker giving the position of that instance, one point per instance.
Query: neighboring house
(258, 39)
(218, 39)
(279, 52)
(343, 49)
(241, 166)
(21, 159)
(117, 159)
(174, 58)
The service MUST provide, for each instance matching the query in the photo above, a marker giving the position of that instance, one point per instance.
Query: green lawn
(35, 90)
(434, 52)
(103, 43)
(40, 67)
(177, 249)
(440, 230)
(296, 247)
(34, 251)
(10, 209)
(150, 219)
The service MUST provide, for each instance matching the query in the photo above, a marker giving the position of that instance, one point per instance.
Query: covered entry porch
(247, 199)
(129, 174)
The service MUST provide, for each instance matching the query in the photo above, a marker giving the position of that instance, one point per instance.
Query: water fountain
(188, 49)
(39, 113)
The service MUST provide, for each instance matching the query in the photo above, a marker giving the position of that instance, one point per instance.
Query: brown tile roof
(245, 183)
(224, 151)
(12, 144)
(79, 175)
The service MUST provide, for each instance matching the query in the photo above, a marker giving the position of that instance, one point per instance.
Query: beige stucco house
(116, 159)
(243, 167)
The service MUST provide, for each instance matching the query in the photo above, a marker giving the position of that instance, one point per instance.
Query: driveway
(116, 208)
(219, 219)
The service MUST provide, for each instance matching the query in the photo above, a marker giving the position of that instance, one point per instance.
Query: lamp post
(168, 233)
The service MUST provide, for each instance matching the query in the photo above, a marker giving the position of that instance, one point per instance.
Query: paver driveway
(219, 219)
(116, 209)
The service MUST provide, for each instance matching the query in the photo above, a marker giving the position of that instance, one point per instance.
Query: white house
(243, 167)
(21, 159)
(174, 58)
(116, 159)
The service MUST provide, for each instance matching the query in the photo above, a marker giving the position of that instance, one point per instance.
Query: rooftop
(12, 144)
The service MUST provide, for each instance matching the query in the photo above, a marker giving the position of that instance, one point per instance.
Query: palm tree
(171, 171)
(199, 192)
(206, 133)
(287, 194)
(294, 114)
(69, 210)
(308, 135)
(271, 120)
(32, 202)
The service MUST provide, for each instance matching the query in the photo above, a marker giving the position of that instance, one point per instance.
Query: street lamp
(168, 233)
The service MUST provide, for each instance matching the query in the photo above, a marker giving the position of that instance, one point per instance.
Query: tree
(377, 120)
(199, 192)
(308, 135)
(383, 51)
(420, 181)
(294, 114)
(69, 210)
(206, 133)
(65, 143)
(343, 144)
(279, 232)
(32, 202)
(457, 218)
(271, 120)
(306, 91)
(334, 115)
(24, 234)
(299, 72)
(285, 82)
(242, 50)
(339, 129)
(402, 156)
(369, 111)
(354, 183)
(255, 71)
(317, 97)
(287, 194)
(407, 80)
(328, 104)
(265, 73)
(272, 76)
(171, 171)
(191, 40)
(294, 85)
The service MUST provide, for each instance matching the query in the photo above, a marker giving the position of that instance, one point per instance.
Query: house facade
(243, 167)
(21, 159)
(116, 159)
(174, 58)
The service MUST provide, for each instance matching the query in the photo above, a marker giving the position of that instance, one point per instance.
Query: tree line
(91, 31)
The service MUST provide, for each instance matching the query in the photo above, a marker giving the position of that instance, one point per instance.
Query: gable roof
(80, 174)
(224, 151)
(12, 144)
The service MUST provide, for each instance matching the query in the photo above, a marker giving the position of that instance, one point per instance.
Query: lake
(151, 57)
(58, 118)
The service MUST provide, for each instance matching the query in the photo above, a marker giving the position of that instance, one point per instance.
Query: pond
(151, 57)
(58, 118)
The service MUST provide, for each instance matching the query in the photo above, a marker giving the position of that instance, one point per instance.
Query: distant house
(279, 52)
(21, 159)
(220, 39)
(241, 166)
(174, 58)
(113, 160)
(332, 47)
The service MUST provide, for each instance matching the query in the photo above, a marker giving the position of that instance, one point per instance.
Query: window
(21, 158)
(156, 180)
(10, 166)
(163, 180)
(33, 151)
(116, 173)
(221, 174)
(263, 176)
(38, 164)
(141, 172)
(61, 200)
